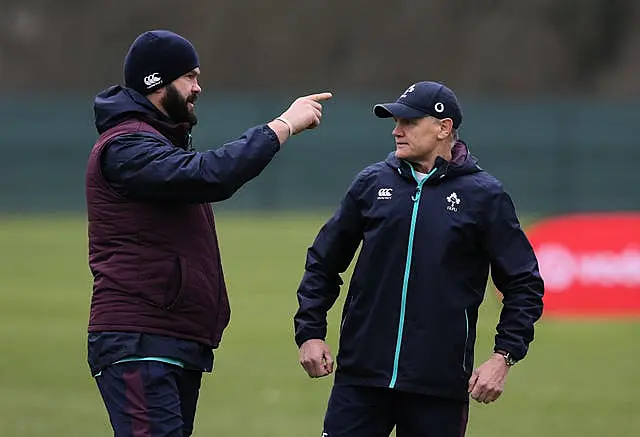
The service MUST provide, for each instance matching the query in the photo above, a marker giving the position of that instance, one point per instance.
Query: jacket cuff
(301, 337)
(272, 136)
(514, 352)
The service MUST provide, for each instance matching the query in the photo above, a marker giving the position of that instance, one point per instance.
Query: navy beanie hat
(157, 58)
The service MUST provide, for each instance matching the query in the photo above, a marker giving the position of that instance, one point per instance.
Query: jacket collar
(462, 162)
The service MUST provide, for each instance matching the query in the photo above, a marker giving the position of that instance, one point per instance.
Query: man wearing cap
(159, 303)
(431, 223)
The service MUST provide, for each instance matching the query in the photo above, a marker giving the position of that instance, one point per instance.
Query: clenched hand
(487, 381)
(316, 359)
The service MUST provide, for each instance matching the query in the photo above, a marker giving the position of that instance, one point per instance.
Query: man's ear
(156, 98)
(159, 93)
(446, 127)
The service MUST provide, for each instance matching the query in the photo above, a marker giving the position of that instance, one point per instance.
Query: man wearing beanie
(159, 304)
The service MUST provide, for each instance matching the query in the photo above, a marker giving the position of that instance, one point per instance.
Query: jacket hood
(118, 104)
(462, 163)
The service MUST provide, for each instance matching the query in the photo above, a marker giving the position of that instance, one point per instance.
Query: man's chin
(193, 118)
(401, 154)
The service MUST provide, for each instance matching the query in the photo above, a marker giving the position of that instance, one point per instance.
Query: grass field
(582, 378)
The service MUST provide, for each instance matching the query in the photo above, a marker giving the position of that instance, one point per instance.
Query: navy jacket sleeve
(514, 270)
(143, 167)
(329, 256)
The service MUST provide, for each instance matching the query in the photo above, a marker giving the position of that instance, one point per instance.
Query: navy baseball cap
(423, 99)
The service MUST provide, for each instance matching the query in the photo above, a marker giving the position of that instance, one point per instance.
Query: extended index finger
(320, 97)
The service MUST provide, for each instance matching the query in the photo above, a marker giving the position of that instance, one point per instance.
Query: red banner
(590, 264)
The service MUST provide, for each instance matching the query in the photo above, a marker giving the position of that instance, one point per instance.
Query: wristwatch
(508, 358)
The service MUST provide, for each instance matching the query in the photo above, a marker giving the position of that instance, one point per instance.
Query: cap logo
(152, 80)
(439, 107)
(411, 89)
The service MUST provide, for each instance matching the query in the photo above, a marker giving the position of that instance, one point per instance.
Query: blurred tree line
(501, 47)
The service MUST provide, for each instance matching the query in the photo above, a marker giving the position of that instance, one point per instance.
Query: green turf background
(581, 378)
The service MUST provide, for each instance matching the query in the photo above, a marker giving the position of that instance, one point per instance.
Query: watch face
(507, 358)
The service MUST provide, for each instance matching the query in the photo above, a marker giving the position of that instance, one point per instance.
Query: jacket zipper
(407, 271)
(466, 340)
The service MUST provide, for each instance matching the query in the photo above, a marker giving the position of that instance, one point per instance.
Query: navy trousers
(150, 398)
(358, 411)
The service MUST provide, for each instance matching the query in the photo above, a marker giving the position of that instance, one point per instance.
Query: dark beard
(176, 106)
